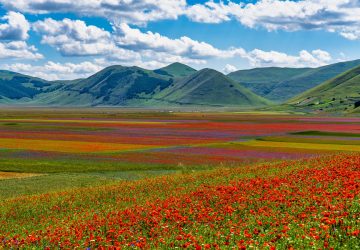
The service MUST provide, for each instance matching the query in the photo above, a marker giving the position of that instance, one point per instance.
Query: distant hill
(112, 86)
(180, 85)
(281, 84)
(263, 80)
(209, 87)
(177, 70)
(339, 94)
(15, 87)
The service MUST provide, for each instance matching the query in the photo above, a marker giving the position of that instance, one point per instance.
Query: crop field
(114, 179)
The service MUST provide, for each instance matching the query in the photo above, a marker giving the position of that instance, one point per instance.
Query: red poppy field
(110, 179)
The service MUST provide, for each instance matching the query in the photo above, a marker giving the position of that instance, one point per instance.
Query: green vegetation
(339, 94)
(324, 133)
(180, 86)
(80, 164)
(263, 80)
(112, 86)
(47, 183)
(14, 86)
(282, 84)
(177, 70)
(209, 87)
(309, 79)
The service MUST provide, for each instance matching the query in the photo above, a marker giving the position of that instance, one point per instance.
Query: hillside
(339, 94)
(308, 80)
(263, 80)
(177, 84)
(112, 86)
(15, 87)
(209, 87)
(281, 84)
(177, 70)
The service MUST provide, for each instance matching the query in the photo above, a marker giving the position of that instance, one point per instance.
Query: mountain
(209, 87)
(281, 84)
(310, 79)
(177, 70)
(179, 85)
(263, 80)
(15, 87)
(112, 86)
(339, 94)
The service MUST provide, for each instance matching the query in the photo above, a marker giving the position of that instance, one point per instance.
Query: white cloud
(315, 58)
(76, 38)
(18, 50)
(134, 11)
(15, 28)
(73, 37)
(341, 16)
(229, 68)
(257, 58)
(55, 71)
(210, 12)
(137, 40)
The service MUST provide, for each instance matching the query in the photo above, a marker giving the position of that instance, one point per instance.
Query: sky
(69, 39)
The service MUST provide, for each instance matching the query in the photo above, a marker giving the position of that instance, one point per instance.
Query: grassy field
(100, 178)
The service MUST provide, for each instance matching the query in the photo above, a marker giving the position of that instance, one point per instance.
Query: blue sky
(66, 39)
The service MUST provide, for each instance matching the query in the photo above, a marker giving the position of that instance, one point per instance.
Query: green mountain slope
(209, 87)
(177, 70)
(281, 84)
(15, 87)
(310, 79)
(263, 80)
(339, 94)
(114, 85)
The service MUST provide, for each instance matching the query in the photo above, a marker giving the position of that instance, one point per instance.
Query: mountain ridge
(173, 85)
(293, 85)
(338, 94)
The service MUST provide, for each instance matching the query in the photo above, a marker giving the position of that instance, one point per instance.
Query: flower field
(146, 180)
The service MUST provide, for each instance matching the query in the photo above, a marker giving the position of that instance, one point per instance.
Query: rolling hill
(339, 94)
(15, 87)
(281, 84)
(177, 70)
(263, 80)
(112, 86)
(211, 88)
(180, 85)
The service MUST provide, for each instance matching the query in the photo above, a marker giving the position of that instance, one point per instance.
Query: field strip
(67, 146)
(14, 175)
(315, 146)
(83, 121)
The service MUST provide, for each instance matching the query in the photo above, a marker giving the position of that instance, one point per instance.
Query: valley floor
(95, 178)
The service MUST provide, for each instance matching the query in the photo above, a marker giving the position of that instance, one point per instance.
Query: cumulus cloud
(229, 68)
(315, 58)
(15, 28)
(55, 71)
(137, 40)
(18, 50)
(73, 37)
(341, 16)
(211, 12)
(134, 11)
(76, 38)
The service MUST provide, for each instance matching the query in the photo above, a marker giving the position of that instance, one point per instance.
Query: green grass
(209, 88)
(336, 95)
(324, 133)
(73, 165)
(263, 80)
(177, 70)
(47, 183)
